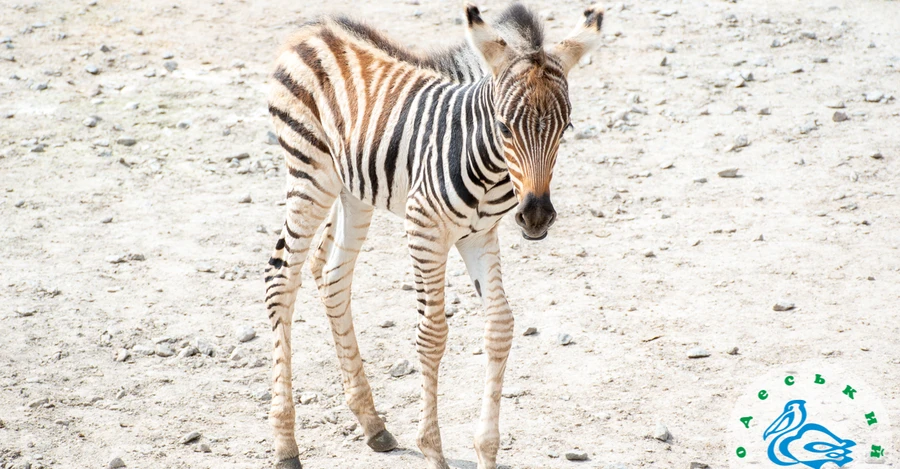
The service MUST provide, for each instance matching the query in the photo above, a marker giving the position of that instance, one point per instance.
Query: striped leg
(429, 266)
(307, 205)
(481, 254)
(332, 267)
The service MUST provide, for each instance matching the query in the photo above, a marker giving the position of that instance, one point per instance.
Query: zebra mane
(518, 26)
(521, 29)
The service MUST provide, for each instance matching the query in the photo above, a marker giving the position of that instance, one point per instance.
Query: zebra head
(531, 100)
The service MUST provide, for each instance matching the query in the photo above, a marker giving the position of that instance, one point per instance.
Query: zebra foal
(450, 141)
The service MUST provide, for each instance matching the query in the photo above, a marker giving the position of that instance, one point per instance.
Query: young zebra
(366, 123)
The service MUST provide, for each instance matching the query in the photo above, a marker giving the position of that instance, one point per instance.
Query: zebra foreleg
(429, 257)
(481, 254)
(332, 267)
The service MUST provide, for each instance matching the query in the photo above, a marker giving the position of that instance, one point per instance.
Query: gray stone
(116, 463)
(164, 350)
(39, 148)
(808, 127)
(511, 392)
(245, 199)
(237, 355)
(184, 124)
(38, 403)
(835, 104)
(143, 350)
(245, 334)
(189, 438)
(530, 331)
(263, 395)
(661, 433)
(90, 122)
(307, 398)
(188, 351)
(386, 324)
(680, 75)
(873, 96)
(728, 173)
(732, 351)
(204, 347)
(204, 448)
(39, 86)
(820, 60)
(407, 286)
(239, 156)
(576, 455)
(92, 69)
(764, 112)
(126, 140)
(876, 156)
(168, 55)
(122, 355)
(840, 116)
(699, 465)
(401, 368)
(649, 253)
(697, 352)
(741, 141)
(451, 310)
(170, 65)
(564, 339)
(783, 305)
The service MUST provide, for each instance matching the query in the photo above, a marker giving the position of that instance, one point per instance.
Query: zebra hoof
(382, 442)
(289, 463)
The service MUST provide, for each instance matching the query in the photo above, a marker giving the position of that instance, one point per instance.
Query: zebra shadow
(453, 463)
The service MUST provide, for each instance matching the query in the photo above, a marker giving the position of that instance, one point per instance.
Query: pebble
(667, 165)
(126, 141)
(237, 355)
(820, 60)
(401, 368)
(732, 351)
(876, 156)
(104, 48)
(764, 112)
(840, 116)
(245, 199)
(164, 350)
(511, 392)
(204, 448)
(189, 438)
(728, 173)
(115, 463)
(122, 355)
(170, 65)
(204, 268)
(204, 347)
(835, 104)
(649, 253)
(661, 433)
(407, 286)
(386, 324)
(530, 331)
(263, 395)
(168, 55)
(92, 69)
(564, 339)
(39, 402)
(575, 455)
(596, 213)
(808, 127)
(39, 148)
(667, 13)
(188, 351)
(307, 398)
(808, 34)
(451, 310)
(184, 124)
(239, 156)
(873, 96)
(143, 350)
(697, 352)
(90, 122)
(25, 312)
(740, 141)
(680, 74)
(699, 465)
(783, 305)
(245, 334)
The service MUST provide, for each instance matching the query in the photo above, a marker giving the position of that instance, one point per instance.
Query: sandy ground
(103, 246)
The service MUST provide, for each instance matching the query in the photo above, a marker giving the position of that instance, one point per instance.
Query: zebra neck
(486, 151)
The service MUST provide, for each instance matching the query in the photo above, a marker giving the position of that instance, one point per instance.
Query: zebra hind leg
(332, 266)
(307, 205)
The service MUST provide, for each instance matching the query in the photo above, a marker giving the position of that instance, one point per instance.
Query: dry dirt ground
(103, 246)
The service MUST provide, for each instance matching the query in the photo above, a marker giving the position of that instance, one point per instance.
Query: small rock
(104, 48)
(39, 86)
(184, 124)
(783, 306)
(204, 448)
(126, 141)
(575, 455)
(168, 55)
(245, 199)
(728, 173)
(90, 122)
(740, 141)
(164, 350)
(667, 165)
(732, 351)
(564, 339)
(401, 368)
(840, 116)
(664, 62)
(510, 392)
(699, 465)
(189, 438)
(649, 253)
(115, 463)
(245, 334)
(170, 65)
(39, 148)
(808, 127)
(38, 402)
(661, 433)
(667, 12)
(116, 259)
(239, 156)
(122, 355)
(820, 60)
(407, 286)
(530, 331)
(873, 96)
(237, 355)
(307, 398)
(596, 213)
(835, 104)
(876, 156)
(204, 268)
(451, 310)
(204, 347)
(92, 69)
(776, 43)
(263, 395)
(188, 351)
(808, 35)
(697, 352)
(680, 75)
(143, 350)
(386, 324)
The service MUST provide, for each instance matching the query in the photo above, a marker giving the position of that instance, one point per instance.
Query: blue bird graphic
(796, 442)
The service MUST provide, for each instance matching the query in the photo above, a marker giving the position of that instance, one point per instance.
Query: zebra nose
(535, 215)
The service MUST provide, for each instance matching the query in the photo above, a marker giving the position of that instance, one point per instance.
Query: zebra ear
(492, 48)
(585, 38)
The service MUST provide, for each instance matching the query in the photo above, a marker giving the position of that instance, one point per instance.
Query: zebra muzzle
(535, 216)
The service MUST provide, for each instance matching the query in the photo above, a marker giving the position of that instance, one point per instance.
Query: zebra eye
(504, 130)
(568, 127)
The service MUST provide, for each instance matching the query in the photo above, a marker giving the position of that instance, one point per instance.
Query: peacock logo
(810, 416)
